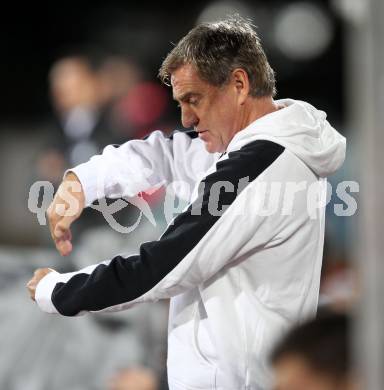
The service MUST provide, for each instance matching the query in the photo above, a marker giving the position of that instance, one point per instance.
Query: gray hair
(216, 49)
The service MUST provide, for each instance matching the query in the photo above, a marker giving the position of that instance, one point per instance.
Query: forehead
(187, 80)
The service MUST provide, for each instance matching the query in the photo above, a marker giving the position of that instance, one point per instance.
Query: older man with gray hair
(242, 262)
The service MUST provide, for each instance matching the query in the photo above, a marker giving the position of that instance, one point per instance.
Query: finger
(62, 229)
(31, 287)
(31, 283)
(63, 240)
(51, 226)
(52, 218)
(40, 273)
(58, 223)
(64, 247)
(32, 294)
(36, 272)
(37, 276)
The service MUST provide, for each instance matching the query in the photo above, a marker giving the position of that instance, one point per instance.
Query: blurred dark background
(34, 36)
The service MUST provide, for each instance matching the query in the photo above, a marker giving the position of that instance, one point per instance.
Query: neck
(253, 109)
(258, 107)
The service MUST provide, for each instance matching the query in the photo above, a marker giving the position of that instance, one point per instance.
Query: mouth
(203, 135)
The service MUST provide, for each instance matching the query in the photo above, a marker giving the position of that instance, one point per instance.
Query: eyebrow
(186, 96)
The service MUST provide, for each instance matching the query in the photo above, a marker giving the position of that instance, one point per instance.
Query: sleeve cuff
(44, 290)
(90, 183)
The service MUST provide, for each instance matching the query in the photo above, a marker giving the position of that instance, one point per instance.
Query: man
(315, 356)
(237, 274)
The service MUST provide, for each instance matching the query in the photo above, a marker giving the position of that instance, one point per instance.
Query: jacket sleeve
(198, 244)
(139, 165)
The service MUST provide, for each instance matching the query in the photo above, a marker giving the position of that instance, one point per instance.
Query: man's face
(213, 111)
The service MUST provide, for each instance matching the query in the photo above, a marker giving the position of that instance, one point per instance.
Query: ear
(241, 83)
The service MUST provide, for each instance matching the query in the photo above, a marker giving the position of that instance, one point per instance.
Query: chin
(211, 148)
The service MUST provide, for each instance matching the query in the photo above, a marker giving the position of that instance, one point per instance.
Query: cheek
(226, 122)
(227, 108)
(218, 116)
(221, 116)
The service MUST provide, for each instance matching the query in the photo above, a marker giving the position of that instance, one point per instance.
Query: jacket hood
(301, 129)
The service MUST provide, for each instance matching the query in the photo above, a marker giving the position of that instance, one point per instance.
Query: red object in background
(153, 197)
(144, 105)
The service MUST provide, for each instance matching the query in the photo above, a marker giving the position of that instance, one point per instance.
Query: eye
(193, 101)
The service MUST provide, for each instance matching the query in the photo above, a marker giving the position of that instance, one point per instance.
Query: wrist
(79, 193)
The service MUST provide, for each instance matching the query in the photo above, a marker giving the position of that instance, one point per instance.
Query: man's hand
(66, 207)
(37, 276)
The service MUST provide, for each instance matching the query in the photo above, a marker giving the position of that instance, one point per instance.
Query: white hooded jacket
(242, 262)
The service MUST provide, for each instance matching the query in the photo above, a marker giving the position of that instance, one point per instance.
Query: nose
(188, 117)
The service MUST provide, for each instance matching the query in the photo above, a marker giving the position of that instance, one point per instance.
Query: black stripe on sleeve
(125, 279)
